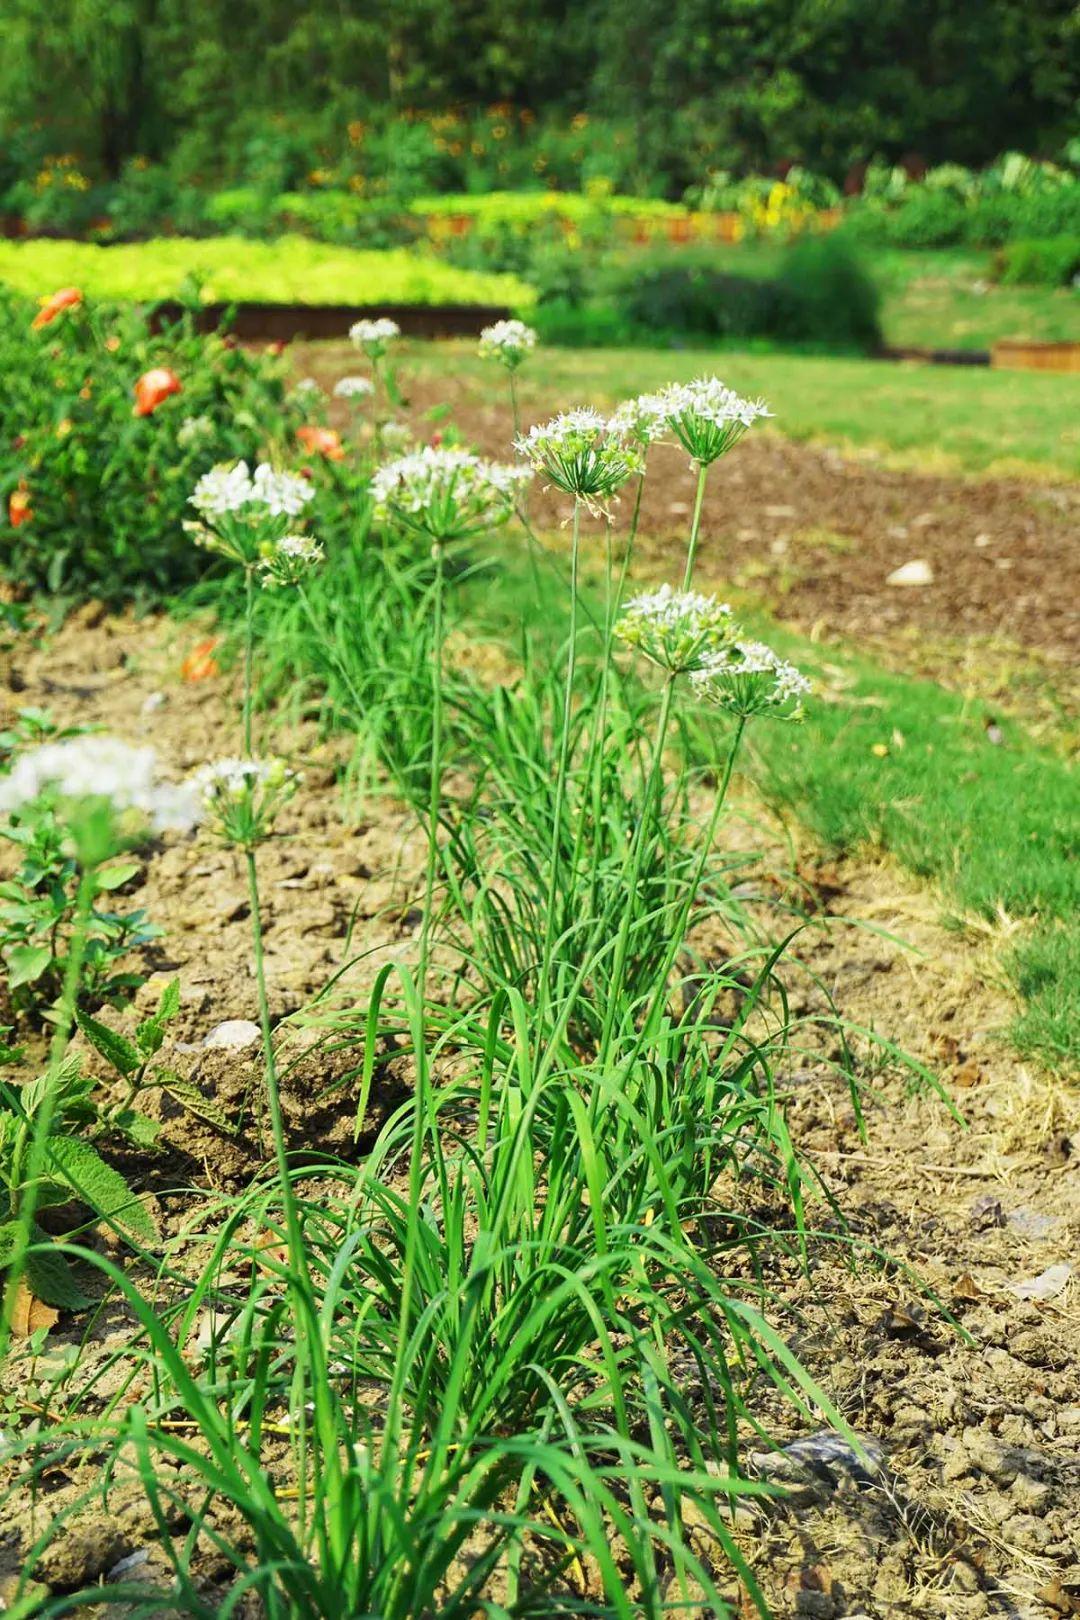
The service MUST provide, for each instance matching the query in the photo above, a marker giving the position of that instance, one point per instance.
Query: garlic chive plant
(589, 458)
(443, 497)
(508, 343)
(373, 337)
(708, 419)
(247, 517)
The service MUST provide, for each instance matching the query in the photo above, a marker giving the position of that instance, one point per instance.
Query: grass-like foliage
(507, 1364)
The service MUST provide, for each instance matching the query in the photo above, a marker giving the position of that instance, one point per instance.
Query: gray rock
(234, 1034)
(1047, 1285)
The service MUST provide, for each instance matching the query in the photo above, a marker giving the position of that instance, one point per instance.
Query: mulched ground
(974, 1510)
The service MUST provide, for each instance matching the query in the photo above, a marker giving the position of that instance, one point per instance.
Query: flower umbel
(243, 512)
(286, 561)
(748, 678)
(374, 336)
(93, 770)
(446, 494)
(508, 342)
(353, 388)
(643, 418)
(708, 418)
(240, 798)
(679, 630)
(583, 453)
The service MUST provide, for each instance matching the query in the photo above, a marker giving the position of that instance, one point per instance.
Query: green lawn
(946, 300)
(292, 269)
(994, 824)
(968, 418)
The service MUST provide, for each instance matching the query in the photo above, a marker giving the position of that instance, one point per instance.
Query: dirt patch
(813, 535)
(973, 1510)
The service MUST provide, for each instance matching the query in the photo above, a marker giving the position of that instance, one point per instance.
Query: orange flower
(19, 508)
(200, 663)
(154, 387)
(51, 307)
(321, 441)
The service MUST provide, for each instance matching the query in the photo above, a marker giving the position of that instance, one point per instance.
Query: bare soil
(971, 1390)
(812, 536)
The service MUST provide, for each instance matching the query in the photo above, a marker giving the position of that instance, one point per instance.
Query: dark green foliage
(820, 298)
(108, 490)
(1050, 261)
(228, 92)
(826, 297)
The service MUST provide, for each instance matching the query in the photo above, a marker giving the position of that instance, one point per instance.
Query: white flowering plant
(446, 494)
(241, 511)
(583, 453)
(643, 419)
(677, 630)
(707, 417)
(748, 678)
(508, 342)
(288, 560)
(240, 799)
(374, 336)
(355, 388)
(72, 808)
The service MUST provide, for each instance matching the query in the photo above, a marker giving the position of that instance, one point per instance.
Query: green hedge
(819, 297)
(291, 269)
(1052, 261)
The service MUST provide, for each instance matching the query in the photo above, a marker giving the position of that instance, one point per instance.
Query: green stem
(514, 405)
(641, 832)
(422, 1085)
(563, 766)
(695, 525)
(435, 789)
(26, 1195)
(249, 654)
(307, 1325)
(677, 932)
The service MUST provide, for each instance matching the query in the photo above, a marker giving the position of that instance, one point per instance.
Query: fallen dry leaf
(30, 1315)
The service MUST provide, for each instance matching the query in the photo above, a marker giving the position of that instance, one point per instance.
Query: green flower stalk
(245, 517)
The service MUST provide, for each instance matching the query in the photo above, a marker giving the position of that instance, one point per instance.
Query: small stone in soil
(916, 572)
(1047, 1285)
(234, 1034)
(1030, 1223)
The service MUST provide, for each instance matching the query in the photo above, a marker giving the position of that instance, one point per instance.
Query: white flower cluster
(679, 630)
(582, 452)
(285, 561)
(353, 388)
(94, 767)
(240, 798)
(446, 494)
(232, 778)
(229, 489)
(373, 335)
(707, 417)
(644, 418)
(507, 341)
(192, 430)
(307, 385)
(749, 678)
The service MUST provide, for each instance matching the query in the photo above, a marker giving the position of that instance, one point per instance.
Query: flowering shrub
(104, 428)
